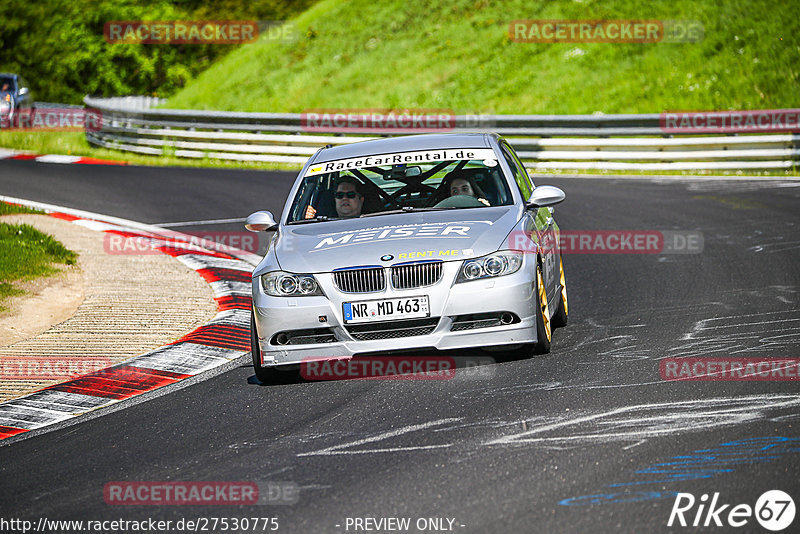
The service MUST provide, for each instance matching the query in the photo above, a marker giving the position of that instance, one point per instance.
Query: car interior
(401, 186)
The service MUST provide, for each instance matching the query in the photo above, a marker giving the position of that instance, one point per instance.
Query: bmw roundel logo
(387, 257)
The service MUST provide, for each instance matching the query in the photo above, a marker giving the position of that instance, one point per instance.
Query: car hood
(390, 239)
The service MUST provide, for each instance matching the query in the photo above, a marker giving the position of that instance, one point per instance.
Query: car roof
(404, 144)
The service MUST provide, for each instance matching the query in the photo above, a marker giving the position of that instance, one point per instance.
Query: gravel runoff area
(109, 308)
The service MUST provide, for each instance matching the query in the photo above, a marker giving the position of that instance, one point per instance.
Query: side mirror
(545, 195)
(23, 91)
(260, 221)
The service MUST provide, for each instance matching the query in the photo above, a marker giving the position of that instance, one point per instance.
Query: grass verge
(26, 253)
(9, 209)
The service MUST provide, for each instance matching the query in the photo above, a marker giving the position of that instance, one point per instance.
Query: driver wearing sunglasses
(349, 200)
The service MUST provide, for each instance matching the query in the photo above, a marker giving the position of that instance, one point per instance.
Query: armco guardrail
(602, 142)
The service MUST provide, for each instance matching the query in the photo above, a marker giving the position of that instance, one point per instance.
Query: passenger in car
(465, 186)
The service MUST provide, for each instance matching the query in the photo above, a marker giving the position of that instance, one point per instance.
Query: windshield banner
(424, 156)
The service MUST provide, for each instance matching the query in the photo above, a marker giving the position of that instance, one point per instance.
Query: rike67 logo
(774, 510)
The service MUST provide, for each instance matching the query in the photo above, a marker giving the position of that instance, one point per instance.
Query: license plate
(381, 310)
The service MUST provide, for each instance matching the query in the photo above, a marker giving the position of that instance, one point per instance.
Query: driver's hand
(484, 201)
(311, 212)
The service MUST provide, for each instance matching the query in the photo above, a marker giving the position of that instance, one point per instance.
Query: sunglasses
(348, 194)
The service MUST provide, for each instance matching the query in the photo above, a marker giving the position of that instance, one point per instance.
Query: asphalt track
(586, 439)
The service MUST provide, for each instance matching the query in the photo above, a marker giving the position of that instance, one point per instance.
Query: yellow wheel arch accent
(563, 288)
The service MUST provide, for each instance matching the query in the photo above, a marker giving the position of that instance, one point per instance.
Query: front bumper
(460, 317)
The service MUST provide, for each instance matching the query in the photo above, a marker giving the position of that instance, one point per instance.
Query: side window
(520, 176)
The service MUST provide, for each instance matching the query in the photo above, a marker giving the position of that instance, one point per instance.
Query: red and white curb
(57, 158)
(226, 337)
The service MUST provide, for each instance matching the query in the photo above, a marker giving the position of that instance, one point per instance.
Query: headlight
(281, 284)
(497, 264)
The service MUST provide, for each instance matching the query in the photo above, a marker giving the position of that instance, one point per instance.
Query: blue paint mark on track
(703, 463)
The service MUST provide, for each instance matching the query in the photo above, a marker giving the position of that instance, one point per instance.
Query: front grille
(416, 275)
(388, 330)
(360, 280)
(303, 337)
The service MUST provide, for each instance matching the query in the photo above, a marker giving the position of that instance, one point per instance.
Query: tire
(560, 317)
(543, 328)
(542, 345)
(265, 374)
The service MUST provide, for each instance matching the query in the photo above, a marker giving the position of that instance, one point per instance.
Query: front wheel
(543, 330)
(543, 323)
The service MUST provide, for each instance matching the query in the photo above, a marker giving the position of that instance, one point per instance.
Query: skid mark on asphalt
(711, 331)
(291, 440)
(779, 245)
(624, 349)
(623, 346)
(629, 425)
(645, 421)
(493, 392)
(774, 333)
(615, 342)
(347, 448)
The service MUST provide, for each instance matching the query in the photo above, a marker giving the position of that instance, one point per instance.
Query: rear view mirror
(260, 221)
(401, 171)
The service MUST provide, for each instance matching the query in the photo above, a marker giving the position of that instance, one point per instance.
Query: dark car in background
(15, 98)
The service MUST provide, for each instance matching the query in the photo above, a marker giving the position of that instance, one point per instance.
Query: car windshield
(6, 84)
(390, 183)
